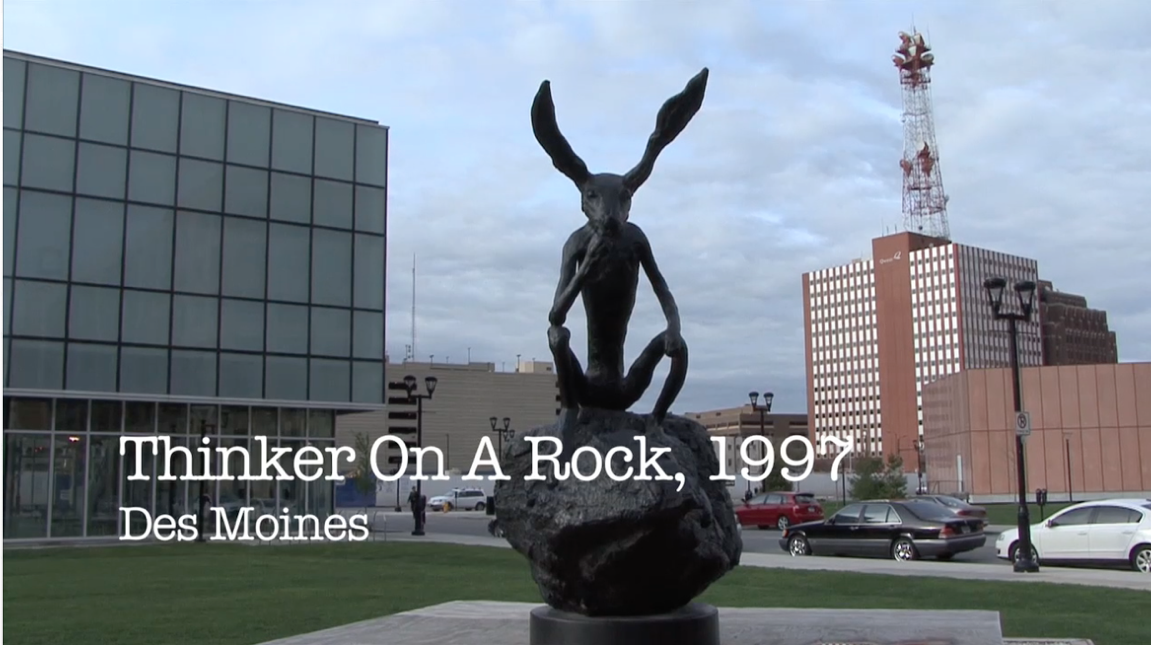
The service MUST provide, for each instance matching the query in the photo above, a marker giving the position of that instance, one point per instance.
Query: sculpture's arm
(658, 284)
(572, 274)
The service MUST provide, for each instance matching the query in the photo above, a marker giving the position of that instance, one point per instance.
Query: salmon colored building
(1090, 439)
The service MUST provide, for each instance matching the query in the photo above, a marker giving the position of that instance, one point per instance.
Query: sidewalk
(1115, 579)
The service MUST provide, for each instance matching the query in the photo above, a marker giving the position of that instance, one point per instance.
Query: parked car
(780, 509)
(902, 530)
(1101, 532)
(957, 506)
(464, 499)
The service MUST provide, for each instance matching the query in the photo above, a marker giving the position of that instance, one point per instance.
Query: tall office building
(1073, 333)
(877, 330)
(183, 262)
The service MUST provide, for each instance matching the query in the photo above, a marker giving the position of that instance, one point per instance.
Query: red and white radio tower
(924, 203)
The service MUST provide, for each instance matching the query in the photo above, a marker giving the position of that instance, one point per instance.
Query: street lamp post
(1025, 293)
(921, 464)
(410, 383)
(501, 432)
(763, 410)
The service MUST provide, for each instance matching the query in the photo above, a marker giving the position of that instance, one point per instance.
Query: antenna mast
(924, 202)
(413, 305)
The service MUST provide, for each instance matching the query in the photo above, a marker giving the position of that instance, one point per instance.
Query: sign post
(1023, 424)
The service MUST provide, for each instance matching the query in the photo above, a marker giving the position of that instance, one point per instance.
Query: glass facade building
(183, 262)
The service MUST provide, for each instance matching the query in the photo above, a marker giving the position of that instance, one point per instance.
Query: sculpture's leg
(641, 372)
(572, 384)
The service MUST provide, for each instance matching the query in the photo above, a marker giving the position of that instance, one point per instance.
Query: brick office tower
(877, 330)
(1073, 333)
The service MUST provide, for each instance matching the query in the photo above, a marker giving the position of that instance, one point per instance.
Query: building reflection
(64, 476)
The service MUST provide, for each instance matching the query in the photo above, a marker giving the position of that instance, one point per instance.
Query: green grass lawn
(239, 595)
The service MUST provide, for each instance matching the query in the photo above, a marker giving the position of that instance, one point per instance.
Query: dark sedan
(957, 506)
(902, 530)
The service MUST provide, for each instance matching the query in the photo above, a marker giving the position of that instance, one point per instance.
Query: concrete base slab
(506, 623)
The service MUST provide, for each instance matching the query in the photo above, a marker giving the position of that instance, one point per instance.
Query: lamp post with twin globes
(502, 432)
(410, 383)
(1024, 561)
(763, 411)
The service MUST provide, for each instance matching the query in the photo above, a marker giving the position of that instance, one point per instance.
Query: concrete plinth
(505, 623)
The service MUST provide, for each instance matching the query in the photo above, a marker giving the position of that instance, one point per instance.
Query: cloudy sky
(1042, 113)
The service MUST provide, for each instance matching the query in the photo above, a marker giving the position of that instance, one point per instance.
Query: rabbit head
(606, 197)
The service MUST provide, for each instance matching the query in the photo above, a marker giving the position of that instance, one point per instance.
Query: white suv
(463, 499)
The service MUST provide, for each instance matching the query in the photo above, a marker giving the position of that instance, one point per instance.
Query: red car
(780, 510)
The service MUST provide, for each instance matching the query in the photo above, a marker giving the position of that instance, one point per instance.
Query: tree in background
(363, 478)
(874, 479)
(775, 482)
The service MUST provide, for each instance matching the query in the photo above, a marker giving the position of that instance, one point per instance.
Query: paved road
(472, 524)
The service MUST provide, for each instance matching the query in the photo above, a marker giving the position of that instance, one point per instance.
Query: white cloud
(1042, 112)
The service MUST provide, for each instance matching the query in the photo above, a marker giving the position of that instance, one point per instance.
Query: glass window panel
(143, 370)
(201, 185)
(333, 205)
(44, 233)
(291, 198)
(247, 192)
(285, 378)
(193, 373)
(234, 420)
(36, 364)
(71, 415)
(98, 241)
(321, 424)
(330, 380)
(335, 148)
(39, 309)
(367, 382)
(151, 178)
(155, 117)
(29, 414)
(245, 243)
(14, 92)
(7, 303)
(94, 314)
(91, 367)
(293, 423)
(331, 268)
(68, 482)
(242, 376)
(171, 418)
(52, 101)
(148, 247)
(287, 329)
(26, 494)
(48, 162)
(137, 493)
(108, 415)
(321, 496)
(242, 325)
(288, 250)
(249, 128)
(11, 157)
(197, 253)
(369, 272)
(371, 209)
(11, 196)
(102, 171)
(292, 141)
(145, 318)
(371, 155)
(202, 126)
(104, 108)
(331, 331)
(194, 321)
(103, 486)
(369, 335)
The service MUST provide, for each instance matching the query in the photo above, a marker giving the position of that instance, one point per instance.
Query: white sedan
(1108, 531)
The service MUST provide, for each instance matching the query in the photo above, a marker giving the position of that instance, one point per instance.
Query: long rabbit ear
(552, 141)
(673, 117)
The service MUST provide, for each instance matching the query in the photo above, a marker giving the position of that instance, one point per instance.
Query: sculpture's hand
(597, 249)
(556, 318)
(558, 335)
(672, 342)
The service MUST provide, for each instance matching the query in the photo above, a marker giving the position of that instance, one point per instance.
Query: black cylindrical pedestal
(694, 624)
